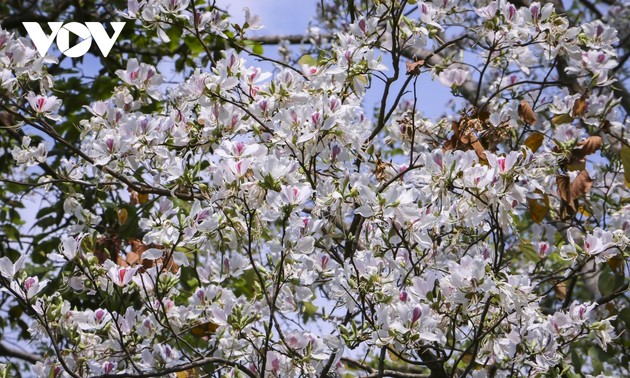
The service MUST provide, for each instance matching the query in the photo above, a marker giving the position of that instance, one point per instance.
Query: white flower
(8, 269)
(121, 276)
(31, 286)
(29, 155)
(44, 105)
(453, 77)
(253, 21)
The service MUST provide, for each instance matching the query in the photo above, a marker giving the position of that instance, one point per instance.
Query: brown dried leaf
(448, 146)
(538, 209)
(581, 185)
(452, 143)
(186, 374)
(561, 119)
(413, 68)
(576, 165)
(148, 264)
(171, 265)
(133, 198)
(579, 106)
(143, 198)
(564, 187)
(483, 115)
(586, 147)
(561, 290)
(465, 141)
(122, 216)
(133, 258)
(138, 246)
(472, 140)
(107, 247)
(526, 112)
(534, 141)
(205, 329)
(616, 264)
(380, 170)
(121, 262)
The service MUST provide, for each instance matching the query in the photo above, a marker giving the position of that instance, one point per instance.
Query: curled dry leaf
(143, 198)
(580, 106)
(452, 143)
(581, 185)
(570, 191)
(413, 68)
(471, 140)
(464, 141)
(526, 112)
(122, 216)
(576, 165)
(561, 290)
(108, 247)
(133, 197)
(567, 207)
(137, 198)
(586, 147)
(564, 187)
(380, 170)
(134, 257)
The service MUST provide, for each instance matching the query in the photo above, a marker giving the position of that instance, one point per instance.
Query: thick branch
(16, 353)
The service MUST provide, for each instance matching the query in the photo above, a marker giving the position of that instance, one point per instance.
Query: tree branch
(10, 352)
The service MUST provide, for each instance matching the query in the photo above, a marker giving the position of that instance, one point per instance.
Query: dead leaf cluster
(473, 131)
(110, 248)
(569, 191)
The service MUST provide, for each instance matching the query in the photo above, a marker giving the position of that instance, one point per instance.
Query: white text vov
(87, 32)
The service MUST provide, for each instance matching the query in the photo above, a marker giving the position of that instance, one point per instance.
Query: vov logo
(87, 32)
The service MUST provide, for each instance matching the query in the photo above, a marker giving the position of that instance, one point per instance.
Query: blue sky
(293, 16)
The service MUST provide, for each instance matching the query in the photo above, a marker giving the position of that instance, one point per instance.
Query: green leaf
(245, 285)
(309, 311)
(529, 252)
(608, 281)
(11, 232)
(307, 60)
(257, 49)
(576, 360)
(598, 357)
(624, 315)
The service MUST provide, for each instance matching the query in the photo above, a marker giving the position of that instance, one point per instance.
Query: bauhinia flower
(121, 276)
(45, 105)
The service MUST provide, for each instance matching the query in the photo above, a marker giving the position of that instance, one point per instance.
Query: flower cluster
(274, 231)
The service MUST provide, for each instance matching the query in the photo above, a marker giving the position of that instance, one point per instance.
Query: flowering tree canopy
(257, 217)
